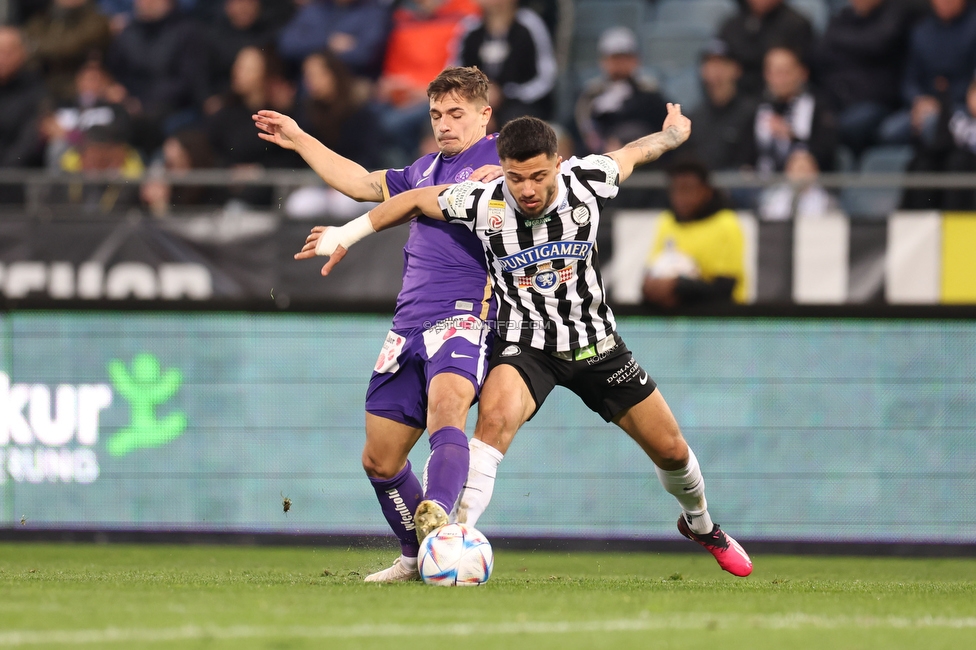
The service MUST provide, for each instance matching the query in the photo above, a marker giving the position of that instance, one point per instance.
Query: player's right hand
(311, 243)
(278, 128)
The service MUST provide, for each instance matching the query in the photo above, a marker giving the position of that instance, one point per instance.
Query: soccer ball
(455, 555)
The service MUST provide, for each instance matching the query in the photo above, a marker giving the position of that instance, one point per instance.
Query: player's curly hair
(469, 83)
(526, 137)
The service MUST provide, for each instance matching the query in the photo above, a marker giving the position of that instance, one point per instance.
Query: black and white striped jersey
(545, 271)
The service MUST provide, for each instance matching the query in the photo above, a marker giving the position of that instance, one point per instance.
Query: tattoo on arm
(377, 188)
(653, 146)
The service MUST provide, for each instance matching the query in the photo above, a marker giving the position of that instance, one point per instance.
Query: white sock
(476, 493)
(408, 562)
(688, 487)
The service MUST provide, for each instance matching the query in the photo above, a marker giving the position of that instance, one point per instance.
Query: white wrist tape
(344, 236)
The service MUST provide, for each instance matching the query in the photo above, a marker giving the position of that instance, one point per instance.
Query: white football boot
(399, 572)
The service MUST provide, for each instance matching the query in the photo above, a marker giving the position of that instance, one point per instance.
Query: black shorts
(608, 383)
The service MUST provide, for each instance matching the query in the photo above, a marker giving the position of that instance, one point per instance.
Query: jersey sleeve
(599, 173)
(395, 181)
(460, 203)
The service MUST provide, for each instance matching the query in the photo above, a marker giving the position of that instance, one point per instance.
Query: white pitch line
(651, 622)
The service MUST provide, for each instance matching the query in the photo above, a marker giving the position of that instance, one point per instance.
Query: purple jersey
(444, 268)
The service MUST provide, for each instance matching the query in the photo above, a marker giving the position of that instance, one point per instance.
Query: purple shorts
(411, 358)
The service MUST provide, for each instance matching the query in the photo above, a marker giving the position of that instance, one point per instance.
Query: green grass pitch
(108, 596)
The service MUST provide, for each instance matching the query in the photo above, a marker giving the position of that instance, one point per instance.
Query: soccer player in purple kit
(436, 355)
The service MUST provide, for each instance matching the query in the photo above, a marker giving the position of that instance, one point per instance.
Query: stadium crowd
(138, 85)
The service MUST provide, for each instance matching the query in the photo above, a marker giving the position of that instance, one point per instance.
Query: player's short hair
(526, 137)
(468, 83)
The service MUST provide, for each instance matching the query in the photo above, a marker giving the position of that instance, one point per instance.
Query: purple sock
(447, 467)
(399, 497)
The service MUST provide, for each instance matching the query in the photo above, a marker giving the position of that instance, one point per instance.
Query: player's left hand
(677, 124)
(312, 241)
(486, 174)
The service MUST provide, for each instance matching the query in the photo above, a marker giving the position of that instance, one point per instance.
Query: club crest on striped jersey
(580, 215)
(545, 281)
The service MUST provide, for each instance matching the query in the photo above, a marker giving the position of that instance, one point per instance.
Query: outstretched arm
(673, 134)
(334, 242)
(350, 178)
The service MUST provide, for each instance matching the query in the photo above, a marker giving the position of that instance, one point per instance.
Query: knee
(376, 466)
(497, 426)
(672, 454)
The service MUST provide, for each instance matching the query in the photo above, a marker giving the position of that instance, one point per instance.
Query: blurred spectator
(103, 150)
(63, 38)
(334, 110)
(238, 26)
(547, 10)
(97, 101)
(722, 123)
(402, 103)
(800, 196)
(160, 58)
(758, 27)
(278, 13)
(941, 60)
(961, 157)
(120, 12)
(356, 30)
(791, 117)
(622, 104)
(21, 93)
(513, 47)
(257, 82)
(253, 82)
(565, 145)
(859, 63)
(697, 254)
(182, 153)
(953, 149)
(20, 12)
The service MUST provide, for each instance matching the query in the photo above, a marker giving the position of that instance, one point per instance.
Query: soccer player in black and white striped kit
(538, 226)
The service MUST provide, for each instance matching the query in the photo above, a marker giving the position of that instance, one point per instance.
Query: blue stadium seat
(684, 87)
(696, 14)
(666, 46)
(816, 10)
(881, 202)
(845, 160)
(592, 17)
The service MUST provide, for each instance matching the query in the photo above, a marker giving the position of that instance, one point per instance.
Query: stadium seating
(705, 15)
(671, 47)
(592, 17)
(877, 203)
(683, 86)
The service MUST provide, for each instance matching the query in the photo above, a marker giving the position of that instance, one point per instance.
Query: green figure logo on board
(146, 386)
